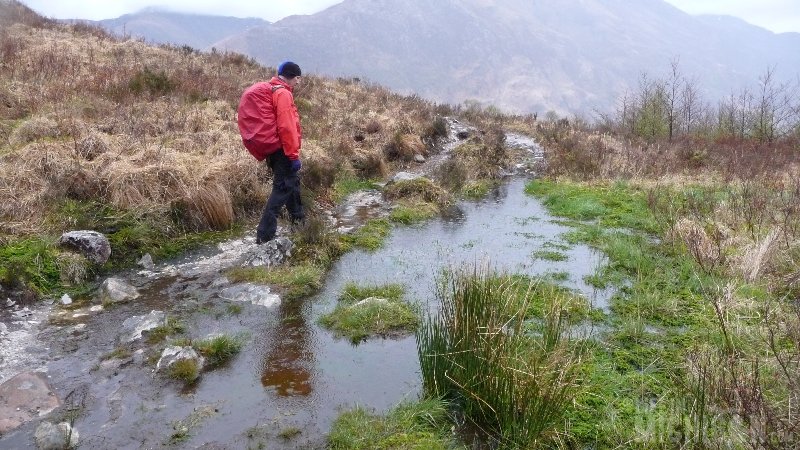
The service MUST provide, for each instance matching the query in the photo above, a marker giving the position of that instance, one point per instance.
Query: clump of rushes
(296, 281)
(510, 375)
(370, 311)
(219, 350)
(185, 370)
(420, 425)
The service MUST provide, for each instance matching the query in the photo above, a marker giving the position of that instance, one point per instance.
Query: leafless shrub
(704, 247)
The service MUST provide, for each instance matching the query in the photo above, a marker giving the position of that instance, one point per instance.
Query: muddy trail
(292, 377)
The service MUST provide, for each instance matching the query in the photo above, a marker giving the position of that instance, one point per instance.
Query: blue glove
(296, 165)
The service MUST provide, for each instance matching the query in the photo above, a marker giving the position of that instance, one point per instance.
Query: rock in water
(271, 253)
(92, 244)
(23, 398)
(55, 437)
(117, 291)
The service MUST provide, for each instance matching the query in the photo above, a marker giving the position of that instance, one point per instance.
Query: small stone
(3, 329)
(66, 299)
(147, 262)
(96, 308)
(419, 158)
(118, 291)
(55, 437)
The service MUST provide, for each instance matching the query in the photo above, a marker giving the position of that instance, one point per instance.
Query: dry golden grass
(73, 125)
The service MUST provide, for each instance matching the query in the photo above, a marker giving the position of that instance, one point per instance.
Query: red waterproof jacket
(275, 127)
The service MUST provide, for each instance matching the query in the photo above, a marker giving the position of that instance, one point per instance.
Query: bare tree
(691, 106)
(672, 88)
(772, 110)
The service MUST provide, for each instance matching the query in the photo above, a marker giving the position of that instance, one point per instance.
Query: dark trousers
(285, 191)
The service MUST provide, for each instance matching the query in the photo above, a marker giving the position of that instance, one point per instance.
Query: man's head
(289, 71)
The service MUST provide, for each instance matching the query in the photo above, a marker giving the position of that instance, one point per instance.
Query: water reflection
(289, 359)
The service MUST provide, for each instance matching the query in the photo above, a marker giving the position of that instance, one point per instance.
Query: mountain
(522, 55)
(162, 27)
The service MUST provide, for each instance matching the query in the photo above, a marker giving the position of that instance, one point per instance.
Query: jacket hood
(278, 80)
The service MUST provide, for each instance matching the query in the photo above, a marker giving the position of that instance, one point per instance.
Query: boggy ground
(291, 377)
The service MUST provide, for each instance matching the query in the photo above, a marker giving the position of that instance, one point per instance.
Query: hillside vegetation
(140, 142)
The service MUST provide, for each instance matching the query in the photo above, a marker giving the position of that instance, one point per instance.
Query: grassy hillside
(140, 142)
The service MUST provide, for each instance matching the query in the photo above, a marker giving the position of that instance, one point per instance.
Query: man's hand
(296, 165)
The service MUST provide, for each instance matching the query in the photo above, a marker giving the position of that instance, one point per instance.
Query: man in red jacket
(285, 161)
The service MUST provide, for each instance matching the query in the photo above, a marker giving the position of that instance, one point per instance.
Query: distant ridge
(523, 55)
(163, 27)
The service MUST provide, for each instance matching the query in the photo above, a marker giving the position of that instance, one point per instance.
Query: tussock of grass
(371, 236)
(511, 376)
(476, 190)
(219, 350)
(316, 245)
(418, 188)
(296, 281)
(185, 370)
(421, 426)
(408, 212)
(370, 311)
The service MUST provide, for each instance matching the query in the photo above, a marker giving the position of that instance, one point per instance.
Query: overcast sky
(776, 15)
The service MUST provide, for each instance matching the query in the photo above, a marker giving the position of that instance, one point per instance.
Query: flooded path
(292, 375)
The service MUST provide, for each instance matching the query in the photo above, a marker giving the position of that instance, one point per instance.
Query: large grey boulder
(93, 245)
(23, 398)
(115, 290)
(50, 436)
(271, 253)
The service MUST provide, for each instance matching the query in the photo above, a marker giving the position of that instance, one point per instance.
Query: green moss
(422, 425)
(296, 281)
(618, 205)
(371, 236)
(346, 184)
(411, 212)
(357, 318)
